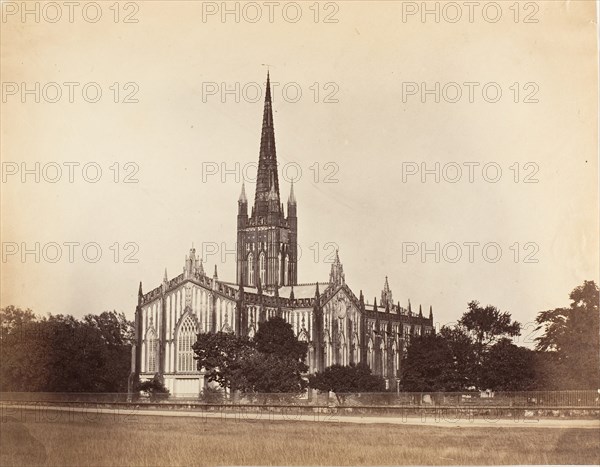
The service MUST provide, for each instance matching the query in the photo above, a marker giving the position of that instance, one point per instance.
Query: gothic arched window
(250, 269)
(286, 267)
(186, 337)
(262, 269)
(152, 347)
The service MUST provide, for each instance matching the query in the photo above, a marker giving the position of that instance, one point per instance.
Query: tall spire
(266, 179)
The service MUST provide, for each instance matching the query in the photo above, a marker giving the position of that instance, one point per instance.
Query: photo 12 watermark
(471, 92)
(70, 92)
(63, 252)
(69, 172)
(28, 12)
(271, 12)
(247, 172)
(435, 12)
(469, 172)
(252, 92)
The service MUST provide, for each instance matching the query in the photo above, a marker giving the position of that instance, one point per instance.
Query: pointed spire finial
(201, 268)
(292, 293)
(292, 198)
(166, 278)
(243, 198)
(215, 275)
(430, 312)
(140, 293)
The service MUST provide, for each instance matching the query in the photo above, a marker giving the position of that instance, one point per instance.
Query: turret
(242, 206)
(291, 202)
(293, 240)
(336, 275)
(140, 294)
(430, 313)
(386, 294)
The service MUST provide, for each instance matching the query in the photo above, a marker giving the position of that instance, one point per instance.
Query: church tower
(267, 239)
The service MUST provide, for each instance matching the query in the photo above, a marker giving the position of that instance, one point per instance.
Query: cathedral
(339, 326)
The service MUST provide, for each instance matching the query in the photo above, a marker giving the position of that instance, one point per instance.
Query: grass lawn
(108, 440)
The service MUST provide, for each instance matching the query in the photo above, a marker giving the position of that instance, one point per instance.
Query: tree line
(479, 352)
(59, 353)
(62, 354)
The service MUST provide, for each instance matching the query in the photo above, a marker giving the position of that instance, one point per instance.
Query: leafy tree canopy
(572, 335)
(508, 367)
(59, 353)
(488, 324)
(271, 363)
(276, 336)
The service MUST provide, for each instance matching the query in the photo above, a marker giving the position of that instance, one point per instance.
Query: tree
(487, 325)
(438, 362)
(154, 388)
(507, 367)
(271, 363)
(221, 355)
(276, 336)
(269, 373)
(571, 335)
(59, 353)
(344, 380)
(14, 319)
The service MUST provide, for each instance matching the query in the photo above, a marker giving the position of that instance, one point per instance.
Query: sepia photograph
(308, 233)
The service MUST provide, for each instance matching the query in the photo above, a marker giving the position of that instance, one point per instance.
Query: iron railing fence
(529, 399)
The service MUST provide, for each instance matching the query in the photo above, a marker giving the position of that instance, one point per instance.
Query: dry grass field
(108, 440)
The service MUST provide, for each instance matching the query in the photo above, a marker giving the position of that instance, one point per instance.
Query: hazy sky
(367, 121)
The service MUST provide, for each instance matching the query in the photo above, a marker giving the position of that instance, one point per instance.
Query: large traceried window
(185, 339)
(262, 269)
(152, 347)
(251, 269)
